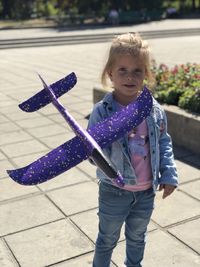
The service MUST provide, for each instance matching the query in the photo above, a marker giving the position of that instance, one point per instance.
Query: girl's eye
(138, 71)
(135, 73)
(122, 70)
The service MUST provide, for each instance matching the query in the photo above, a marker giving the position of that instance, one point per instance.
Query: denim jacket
(162, 158)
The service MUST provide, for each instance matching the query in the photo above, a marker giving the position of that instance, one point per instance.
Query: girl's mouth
(129, 85)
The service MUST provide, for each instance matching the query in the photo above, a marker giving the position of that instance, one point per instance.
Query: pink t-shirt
(140, 156)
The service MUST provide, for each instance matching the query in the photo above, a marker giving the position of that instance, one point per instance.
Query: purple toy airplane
(86, 144)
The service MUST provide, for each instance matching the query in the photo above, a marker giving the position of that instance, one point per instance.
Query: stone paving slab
(10, 189)
(71, 177)
(76, 114)
(6, 258)
(8, 102)
(172, 252)
(5, 165)
(192, 189)
(2, 156)
(186, 172)
(7, 127)
(85, 112)
(49, 130)
(161, 250)
(88, 168)
(4, 99)
(9, 110)
(57, 140)
(189, 233)
(47, 110)
(34, 123)
(23, 148)
(58, 119)
(68, 199)
(84, 122)
(73, 100)
(178, 207)
(83, 221)
(3, 118)
(82, 106)
(27, 159)
(14, 137)
(19, 115)
(85, 260)
(48, 244)
(27, 213)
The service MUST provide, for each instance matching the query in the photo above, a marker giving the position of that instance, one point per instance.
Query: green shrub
(161, 96)
(179, 85)
(190, 100)
(172, 95)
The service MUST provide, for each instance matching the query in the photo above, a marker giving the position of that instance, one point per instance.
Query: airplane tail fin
(43, 98)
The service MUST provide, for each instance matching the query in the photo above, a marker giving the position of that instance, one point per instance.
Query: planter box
(183, 127)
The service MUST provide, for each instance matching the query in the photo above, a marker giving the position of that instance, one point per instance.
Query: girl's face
(127, 76)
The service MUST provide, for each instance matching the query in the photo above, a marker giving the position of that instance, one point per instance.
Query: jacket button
(151, 133)
(153, 151)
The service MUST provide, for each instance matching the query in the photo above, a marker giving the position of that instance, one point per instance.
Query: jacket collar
(109, 103)
(108, 98)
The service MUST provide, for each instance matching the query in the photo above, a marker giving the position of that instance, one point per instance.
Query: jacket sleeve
(167, 170)
(95, 116)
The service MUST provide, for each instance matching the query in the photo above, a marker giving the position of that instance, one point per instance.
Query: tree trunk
(193, 5)
(7, 9)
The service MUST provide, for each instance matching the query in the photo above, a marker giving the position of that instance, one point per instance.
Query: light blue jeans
(117, 206)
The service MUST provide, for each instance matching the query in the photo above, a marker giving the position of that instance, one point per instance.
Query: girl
(144, 156)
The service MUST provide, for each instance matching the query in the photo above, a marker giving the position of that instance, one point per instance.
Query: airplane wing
(72, 152)
(52, 164)
(42, 98)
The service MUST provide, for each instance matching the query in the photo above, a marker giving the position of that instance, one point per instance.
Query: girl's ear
(146, 71)
(146, 74)
(110, 74)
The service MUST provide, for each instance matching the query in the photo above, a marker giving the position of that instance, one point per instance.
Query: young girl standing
(144, 156)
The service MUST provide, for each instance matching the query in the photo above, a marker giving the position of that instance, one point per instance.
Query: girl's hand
(168, 189)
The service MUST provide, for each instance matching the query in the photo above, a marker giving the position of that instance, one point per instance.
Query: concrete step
(89, 38)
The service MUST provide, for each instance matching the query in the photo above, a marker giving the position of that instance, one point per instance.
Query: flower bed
(179, 86)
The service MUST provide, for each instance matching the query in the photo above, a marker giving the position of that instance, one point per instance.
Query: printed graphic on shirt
(138, 142)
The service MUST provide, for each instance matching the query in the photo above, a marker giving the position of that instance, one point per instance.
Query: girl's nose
(130, 77)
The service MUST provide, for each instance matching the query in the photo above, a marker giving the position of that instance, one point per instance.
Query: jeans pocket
(149, 197)
(108, 190)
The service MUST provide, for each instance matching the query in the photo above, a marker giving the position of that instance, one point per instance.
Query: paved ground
(55, 223)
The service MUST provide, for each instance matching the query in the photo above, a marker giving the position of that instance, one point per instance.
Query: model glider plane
(87, 143)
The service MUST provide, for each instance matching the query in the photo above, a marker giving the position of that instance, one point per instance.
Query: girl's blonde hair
(131, 44)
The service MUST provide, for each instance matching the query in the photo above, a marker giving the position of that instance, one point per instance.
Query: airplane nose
(119, 180)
